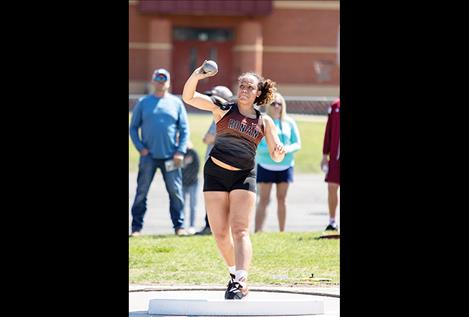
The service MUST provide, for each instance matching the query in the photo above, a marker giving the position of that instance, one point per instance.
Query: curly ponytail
(267, 87)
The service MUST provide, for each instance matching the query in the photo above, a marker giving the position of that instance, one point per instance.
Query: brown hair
(267, 87)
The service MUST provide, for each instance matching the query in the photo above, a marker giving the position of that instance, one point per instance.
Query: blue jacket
(160, 120)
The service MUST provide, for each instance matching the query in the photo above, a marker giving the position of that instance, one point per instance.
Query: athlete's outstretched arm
(276, 148)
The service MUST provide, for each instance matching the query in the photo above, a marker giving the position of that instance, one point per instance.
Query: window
(322, 70)
(200, 34)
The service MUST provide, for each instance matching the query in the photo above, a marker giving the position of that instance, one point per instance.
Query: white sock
(241, 276)
(232, 269)
(332, 221)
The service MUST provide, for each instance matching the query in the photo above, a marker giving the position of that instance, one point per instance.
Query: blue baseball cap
(159, 74)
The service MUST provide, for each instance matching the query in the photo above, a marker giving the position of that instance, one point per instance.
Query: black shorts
(268, 176)
(218, 179)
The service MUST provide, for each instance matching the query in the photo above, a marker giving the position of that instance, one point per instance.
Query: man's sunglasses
(161, 78)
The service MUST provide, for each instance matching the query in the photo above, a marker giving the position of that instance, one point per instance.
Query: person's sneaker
(330, 227)
(135, 234)
(230, 285)
(204, 231)
(237, 291)
(180, 232)
(191, 230)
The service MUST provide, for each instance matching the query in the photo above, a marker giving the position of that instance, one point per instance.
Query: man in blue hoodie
(162, 120)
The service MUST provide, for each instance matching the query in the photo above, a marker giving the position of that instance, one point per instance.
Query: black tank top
(237, 139)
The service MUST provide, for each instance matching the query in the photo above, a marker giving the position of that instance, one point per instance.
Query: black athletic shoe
(237, 291)
(230, 285)
(204, 231)
(331, 228)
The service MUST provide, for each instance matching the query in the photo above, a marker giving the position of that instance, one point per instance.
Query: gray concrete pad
(139, 302)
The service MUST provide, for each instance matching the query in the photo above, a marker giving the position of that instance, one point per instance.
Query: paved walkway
(306, 206)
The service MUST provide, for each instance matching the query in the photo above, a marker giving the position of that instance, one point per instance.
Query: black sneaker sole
(236, 295)
(230, 285)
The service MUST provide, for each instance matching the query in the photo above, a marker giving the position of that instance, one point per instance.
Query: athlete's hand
(199, 73)
(279, 152)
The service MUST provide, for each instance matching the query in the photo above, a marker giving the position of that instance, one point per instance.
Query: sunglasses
(274, 104)
(161, 78)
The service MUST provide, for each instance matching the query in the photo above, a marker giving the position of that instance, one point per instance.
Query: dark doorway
(191, 46)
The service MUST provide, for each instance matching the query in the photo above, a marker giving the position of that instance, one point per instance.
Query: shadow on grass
(165, 236)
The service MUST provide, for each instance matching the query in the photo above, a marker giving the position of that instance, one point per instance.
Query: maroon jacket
(332, 135)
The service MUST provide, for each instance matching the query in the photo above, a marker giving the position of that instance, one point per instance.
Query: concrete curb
(328, 292)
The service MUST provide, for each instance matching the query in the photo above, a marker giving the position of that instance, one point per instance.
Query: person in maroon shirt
(230, 171)
(330, 163)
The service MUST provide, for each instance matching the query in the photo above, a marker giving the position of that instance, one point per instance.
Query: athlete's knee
(239, 231)
(221, 234)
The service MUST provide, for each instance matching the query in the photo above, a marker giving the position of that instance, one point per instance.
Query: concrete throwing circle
(257, 303)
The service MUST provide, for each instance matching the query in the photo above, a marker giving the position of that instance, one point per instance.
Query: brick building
(295, 43)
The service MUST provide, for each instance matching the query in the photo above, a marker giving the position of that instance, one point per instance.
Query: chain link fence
(295, 104)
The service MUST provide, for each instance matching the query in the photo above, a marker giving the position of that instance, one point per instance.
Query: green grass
(285, 259)
(306, 160)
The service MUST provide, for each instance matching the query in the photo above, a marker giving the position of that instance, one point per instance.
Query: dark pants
(191, 192)
(206, 221)
(173, 180)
